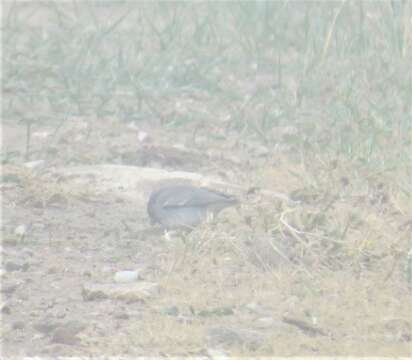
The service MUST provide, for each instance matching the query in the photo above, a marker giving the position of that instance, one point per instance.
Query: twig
(330, 32)
(28, 139)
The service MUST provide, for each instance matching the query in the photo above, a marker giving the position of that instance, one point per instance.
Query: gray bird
(186, 206)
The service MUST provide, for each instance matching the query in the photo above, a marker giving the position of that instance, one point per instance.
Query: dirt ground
(243, 285)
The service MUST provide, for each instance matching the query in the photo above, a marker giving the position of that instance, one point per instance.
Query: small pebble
(41, 134)
(132, 126)
(126, 276)
(265, 322)
(5, 309)
(217, 354)
(142, 136)
(18, 325)
(34, 164)
(12, 266)
(20, 230)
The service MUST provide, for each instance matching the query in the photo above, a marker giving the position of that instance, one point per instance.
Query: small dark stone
(12, 266)
(6, 310)
(18, 325)
(52, 270)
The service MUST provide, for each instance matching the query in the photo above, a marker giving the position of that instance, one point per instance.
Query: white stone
(126, 276)
(20, 230)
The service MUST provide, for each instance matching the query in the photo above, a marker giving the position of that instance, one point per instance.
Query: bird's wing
(196, 198)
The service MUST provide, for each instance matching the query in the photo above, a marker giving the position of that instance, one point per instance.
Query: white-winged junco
(186, 206)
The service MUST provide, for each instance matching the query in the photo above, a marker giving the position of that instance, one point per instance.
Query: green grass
(341, 70)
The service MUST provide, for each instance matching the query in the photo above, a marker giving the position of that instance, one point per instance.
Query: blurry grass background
(338, 72)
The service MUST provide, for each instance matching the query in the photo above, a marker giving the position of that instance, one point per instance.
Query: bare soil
(262, 279)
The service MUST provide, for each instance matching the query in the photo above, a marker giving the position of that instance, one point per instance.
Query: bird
(186, 206)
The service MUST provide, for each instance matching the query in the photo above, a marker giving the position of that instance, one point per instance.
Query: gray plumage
(185, 205)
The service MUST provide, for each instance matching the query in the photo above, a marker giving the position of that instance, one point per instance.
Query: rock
(18, 325)
(124, 182)
(217, 354)
(12, 266)
(266, 322)
(5, 309)
(40, 135)
(256, 308)
(128, 292)
(53, 270)
(142, 136)
(34, 164)
(126, 276)
(20, 230)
